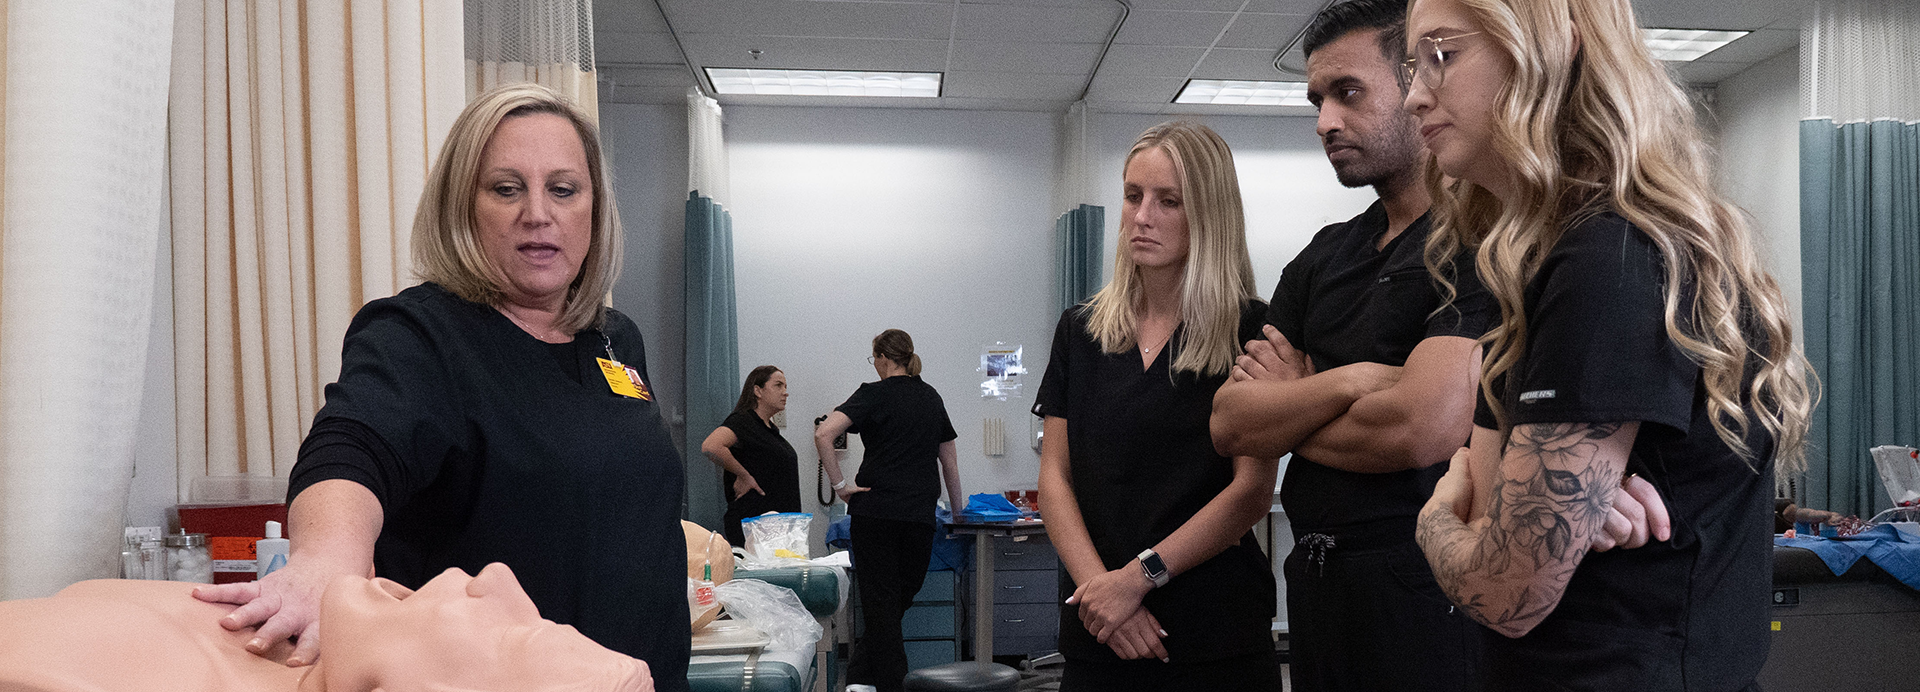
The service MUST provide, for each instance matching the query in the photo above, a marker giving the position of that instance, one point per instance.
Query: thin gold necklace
(535, 333)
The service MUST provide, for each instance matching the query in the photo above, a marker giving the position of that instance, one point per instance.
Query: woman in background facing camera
(762, 470)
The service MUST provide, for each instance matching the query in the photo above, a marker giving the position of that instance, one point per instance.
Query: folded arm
(1545, 496)
(1417, 422)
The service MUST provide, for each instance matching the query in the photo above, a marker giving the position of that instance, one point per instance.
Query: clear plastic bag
(775, 610)
(771, 536)
(1899, 472)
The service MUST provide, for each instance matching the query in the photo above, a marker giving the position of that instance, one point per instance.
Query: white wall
(849, 221)
(155, 469)
(1286, 184)
(647, 148)
(1758, 118)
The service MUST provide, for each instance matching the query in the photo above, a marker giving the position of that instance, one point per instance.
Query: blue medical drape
(1860, 257)
(1078, 236)
(713, 348)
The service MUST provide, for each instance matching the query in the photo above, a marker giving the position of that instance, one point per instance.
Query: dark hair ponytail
(897, 346)
(757, 378)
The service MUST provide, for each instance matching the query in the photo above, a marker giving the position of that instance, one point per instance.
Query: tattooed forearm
(1509, 569)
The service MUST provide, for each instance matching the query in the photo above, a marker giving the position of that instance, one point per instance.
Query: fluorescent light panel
(730, 80)
(1239, 92)
(1685, 45)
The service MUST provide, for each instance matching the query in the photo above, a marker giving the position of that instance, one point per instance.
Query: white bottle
(269, 553)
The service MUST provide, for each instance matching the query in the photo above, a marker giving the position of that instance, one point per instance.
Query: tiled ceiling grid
(1040, 55)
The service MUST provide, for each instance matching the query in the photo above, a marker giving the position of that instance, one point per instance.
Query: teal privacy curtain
(1860, 257)
(1078, 236)
(713, 349)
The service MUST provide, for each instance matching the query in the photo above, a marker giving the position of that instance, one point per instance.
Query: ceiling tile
(1152, 61)
(1279, 6)
(1039, 58)
(1742, 15)
(1172, 28)
(626, 16)
(1122, 88)
(1241, 64)
(709, 50)
(657, 94)
(816, 19)
(1707, 72)
(1013, 85)
(1041, 24)
(635, 47)
(1756, 46)
(1268, 31)
(624, 76)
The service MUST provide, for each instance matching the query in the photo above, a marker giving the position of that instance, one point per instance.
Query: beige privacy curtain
(83, 141)
(547, 42)
(301, 137)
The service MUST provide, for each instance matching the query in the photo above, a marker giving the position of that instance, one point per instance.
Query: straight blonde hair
(446, 249)
(1598, 126)
(1217, 279)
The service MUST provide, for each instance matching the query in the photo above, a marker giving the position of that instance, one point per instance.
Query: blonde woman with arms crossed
(1639, 335)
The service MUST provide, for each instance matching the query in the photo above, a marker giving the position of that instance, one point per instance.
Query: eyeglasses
(1429, 61)
(870, 360)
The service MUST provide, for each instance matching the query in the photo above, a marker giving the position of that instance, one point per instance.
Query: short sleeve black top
(901, 421)
(492, 453)
(766, 454)
(1342, 301)
(1142, 462)
(1686, 614)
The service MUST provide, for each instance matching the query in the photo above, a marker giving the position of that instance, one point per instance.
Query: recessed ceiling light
(1243, 93)
(1684, 45)
(731, 80)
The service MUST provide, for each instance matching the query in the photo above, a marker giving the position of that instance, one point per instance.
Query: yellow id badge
(623, 380)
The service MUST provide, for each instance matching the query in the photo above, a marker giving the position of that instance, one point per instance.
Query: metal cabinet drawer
(1025, 620)
(1034, 553)
(938, 588)
(924, 621)
(1026, 586)
(1004, 646)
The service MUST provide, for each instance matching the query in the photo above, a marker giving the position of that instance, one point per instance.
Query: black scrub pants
(1367, 614)
(889, 563)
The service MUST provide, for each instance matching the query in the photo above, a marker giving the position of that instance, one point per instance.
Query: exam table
(1858, 631)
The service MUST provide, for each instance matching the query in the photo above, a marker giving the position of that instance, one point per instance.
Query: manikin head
(458, 633)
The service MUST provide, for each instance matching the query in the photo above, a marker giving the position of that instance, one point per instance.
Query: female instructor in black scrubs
(762, 470)
(904, 426)
(1170, 590)
(498, 412)
(1640, 335)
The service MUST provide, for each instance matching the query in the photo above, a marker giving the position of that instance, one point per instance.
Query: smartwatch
(1155, 570)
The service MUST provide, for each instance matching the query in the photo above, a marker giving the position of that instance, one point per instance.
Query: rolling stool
(964, 676)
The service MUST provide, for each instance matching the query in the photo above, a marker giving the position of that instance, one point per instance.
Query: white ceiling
(1040, 54)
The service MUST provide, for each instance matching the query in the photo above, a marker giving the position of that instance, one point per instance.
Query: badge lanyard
(621, 378)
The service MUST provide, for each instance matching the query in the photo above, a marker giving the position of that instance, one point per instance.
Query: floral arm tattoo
(1556, 484)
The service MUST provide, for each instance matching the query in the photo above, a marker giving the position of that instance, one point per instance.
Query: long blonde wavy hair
(1218, 277)
(1599, 125)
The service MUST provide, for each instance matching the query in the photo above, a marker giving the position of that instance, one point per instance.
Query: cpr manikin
(456, 633)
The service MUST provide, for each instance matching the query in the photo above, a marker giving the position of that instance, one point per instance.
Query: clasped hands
(1111, 609)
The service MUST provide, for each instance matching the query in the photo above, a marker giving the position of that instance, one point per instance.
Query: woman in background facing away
(903, 424)
(762, 470)
(1170, 590)
(1639, 335)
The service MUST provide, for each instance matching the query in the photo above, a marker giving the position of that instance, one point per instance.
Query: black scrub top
(1341, 301)
(766, 455)
(901, 421)
(488, 451)
(1142, 462)
(1685, 614)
